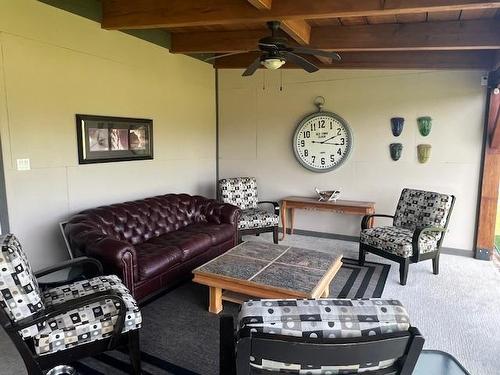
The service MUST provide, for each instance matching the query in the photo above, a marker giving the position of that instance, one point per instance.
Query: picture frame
(105, 139)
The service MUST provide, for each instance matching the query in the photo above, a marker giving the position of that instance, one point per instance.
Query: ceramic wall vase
(396, 149)
(424, 125)
(424, 153)
(397, 124)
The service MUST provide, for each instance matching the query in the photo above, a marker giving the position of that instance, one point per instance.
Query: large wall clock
(322, 141)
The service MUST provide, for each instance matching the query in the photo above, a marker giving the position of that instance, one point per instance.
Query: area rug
(179, 336)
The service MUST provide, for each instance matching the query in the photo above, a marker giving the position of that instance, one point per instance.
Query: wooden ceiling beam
(450, 35)
(143, 14)
(298, 30)
(478, 60)
(261, 4)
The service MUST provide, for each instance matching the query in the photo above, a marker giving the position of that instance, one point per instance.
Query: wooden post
(490, 175)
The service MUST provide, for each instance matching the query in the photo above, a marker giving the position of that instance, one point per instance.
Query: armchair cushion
(398, 241)
(256, 218)
(239, 191)
(324, 318)
(93, 322)
(21, 296)
(418, 208)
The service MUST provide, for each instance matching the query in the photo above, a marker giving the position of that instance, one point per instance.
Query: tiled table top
(277, 266)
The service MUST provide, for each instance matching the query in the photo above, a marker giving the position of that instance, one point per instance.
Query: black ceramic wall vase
(397, 124)
(396, 150)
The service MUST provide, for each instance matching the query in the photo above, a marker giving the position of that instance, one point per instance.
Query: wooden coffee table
(266, 270)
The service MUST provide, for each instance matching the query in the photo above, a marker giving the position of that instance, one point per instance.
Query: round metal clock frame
(349, 140)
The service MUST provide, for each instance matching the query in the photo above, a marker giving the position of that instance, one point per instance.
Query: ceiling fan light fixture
(273, 63)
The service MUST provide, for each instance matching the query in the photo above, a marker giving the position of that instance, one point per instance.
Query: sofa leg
(403, 271)
(275, 235)
(435, 264)
(134, 351)
(362, 255)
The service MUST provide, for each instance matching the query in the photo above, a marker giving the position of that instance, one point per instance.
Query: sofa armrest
(118, 257)
(222, 213)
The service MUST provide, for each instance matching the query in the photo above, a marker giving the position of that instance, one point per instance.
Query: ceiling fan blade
(300, 61)
(252, 68)
(224, 55)
(316, 52)
(268, 45)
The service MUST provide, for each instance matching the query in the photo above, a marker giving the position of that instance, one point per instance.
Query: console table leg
(215, 300)
(283, 220)
(292, 219)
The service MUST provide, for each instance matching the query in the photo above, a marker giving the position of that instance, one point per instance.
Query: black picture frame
(106, 139)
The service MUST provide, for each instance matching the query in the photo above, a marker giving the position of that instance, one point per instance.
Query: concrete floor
(457, 311)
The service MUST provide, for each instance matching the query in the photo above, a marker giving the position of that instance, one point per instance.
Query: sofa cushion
(218, 233)
(398, 241)
(323, 318)
(153, 259)
(191, 244)
(89, 323)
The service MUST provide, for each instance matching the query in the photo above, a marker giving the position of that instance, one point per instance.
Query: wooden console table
(339, 207)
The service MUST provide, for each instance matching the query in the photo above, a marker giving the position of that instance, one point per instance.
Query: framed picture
(103, 139)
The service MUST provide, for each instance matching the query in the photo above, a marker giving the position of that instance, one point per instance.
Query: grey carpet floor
(457, 311)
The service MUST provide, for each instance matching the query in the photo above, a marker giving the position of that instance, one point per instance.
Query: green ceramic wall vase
(424, 153)
(396, 149)
(424, 125)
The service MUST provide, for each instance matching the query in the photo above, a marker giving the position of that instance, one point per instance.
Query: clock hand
(335, 144)
(326, 140)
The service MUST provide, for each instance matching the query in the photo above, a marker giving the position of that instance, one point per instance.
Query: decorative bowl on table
(327, 195)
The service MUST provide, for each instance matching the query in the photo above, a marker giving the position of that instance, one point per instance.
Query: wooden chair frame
(40, 364)
(417, 256)
(236, 350)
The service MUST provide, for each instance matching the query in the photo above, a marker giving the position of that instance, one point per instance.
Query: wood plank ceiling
(454, 34)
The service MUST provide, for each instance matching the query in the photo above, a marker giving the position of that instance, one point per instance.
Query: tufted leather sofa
(155, 242)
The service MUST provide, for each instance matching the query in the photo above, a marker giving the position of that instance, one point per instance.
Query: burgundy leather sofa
(155, 242)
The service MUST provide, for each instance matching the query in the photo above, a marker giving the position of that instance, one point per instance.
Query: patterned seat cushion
(323, 318)
(20, 296)
(256, 218)
(398, 241)
(92, 322)
(239, 191)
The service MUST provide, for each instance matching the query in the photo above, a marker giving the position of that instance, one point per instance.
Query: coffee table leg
(215, 300)
(326, 292)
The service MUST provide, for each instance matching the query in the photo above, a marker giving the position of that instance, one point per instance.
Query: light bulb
(273, 63)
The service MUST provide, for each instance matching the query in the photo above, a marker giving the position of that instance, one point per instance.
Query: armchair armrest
(366, 219)
(70, 263)
(276, 206)
(416, 238)
(55, 310)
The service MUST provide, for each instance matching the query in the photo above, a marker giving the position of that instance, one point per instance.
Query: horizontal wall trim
(344, 237)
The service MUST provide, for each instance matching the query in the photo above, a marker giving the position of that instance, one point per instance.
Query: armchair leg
(435, 264)
(362, 255)
(275, 235)
(403, 270)
(134, 351)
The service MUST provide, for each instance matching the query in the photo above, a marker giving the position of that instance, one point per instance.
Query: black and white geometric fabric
(418, 208)
(256, 218)
(20, 296)
(323, 318)
(398, 241)
(93, 322)
(239, 191)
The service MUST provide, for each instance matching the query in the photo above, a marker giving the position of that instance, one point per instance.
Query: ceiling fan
(275, 52)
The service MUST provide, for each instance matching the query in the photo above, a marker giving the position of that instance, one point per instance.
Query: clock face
(322, 141)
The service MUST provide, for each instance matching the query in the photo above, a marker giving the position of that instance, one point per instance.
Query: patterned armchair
(64, 323)
(418, 230)
(242, 192)
(324, 336)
